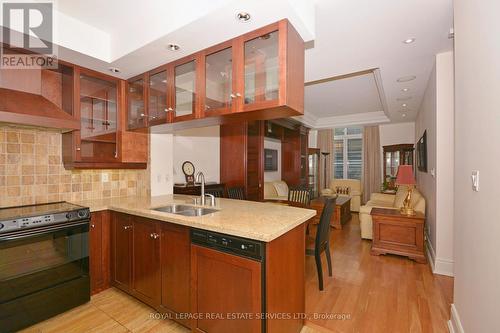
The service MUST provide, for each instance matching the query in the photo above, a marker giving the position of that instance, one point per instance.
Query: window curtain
(372, 172)
(325, 144)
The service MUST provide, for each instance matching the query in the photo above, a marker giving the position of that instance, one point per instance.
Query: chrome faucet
(200, 178)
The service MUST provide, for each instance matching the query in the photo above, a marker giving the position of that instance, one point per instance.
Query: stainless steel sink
(197, 211)
(173, 208)
(185, 210)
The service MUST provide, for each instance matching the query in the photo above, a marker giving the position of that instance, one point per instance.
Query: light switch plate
(105, 177)
(475, 180)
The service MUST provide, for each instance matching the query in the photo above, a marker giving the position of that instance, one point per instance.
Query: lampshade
(405, 175)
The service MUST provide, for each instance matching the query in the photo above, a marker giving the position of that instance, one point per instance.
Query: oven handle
(43, 230)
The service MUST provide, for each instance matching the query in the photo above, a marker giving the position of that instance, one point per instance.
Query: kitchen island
(239, 268)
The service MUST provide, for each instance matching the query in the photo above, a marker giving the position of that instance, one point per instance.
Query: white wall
(313, 139)
(270, 176)
(477, 138)
(392, 134)
(161, 151)
(200, 146)
(436, 116)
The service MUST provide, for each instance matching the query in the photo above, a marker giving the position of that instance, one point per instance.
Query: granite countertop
(249, 219)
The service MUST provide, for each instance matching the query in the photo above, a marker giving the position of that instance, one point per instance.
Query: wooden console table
(342, 212)
(399, 234)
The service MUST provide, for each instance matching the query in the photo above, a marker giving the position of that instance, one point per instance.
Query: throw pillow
(281, 189)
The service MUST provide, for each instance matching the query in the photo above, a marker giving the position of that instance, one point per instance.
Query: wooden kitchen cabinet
(159, 97)
(102, 141)
(99, 251)
(175, 269)
(239, 293)
(146, 259)
(136, 102)
(121, 251)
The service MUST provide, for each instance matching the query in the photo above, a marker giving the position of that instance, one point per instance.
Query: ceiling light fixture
(404, 105)
(243, 17)
(406, 78)
(173, 47)
(114, 70)
(405, 89)
(403, 115)
(409, 40)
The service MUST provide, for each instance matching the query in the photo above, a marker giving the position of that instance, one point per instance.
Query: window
(348, 153)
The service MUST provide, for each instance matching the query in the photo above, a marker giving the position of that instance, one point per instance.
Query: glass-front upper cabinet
(184, 95)
(261, 77)
(137, 114)
(98, 116)
(219, 93)
(158, 108)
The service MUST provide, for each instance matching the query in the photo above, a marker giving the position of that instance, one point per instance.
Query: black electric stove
(44, 262)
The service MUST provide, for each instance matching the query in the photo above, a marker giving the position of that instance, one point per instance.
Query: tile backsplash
(31, 171)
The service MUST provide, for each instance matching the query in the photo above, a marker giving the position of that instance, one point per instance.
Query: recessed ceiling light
(114, 70)
(400, 99)
(405, 89)
(404, 105)
(409, 40)
(403, 115)
(406, 78)
(243, 17)
(173, 47)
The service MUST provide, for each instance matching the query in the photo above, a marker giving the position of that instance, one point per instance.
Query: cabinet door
(175, 268)
(261, 69)
(220, 94)
(137, 112)
(185, 89)
(146, 259)
(255, 161)
(122, 250)
(225, 283)
(99, 256)
(98, 111)
(158, 106)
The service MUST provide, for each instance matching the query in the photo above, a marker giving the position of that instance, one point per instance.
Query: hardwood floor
(376, 293)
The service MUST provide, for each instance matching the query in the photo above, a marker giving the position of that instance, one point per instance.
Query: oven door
(43, 272)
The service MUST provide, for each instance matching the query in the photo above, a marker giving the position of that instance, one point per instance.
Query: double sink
(185, 210)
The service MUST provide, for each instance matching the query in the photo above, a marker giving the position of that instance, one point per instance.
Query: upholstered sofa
(354, 189)
(387, 201)
(277, 190)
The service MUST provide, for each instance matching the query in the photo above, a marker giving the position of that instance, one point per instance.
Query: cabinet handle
(127, 227)
(92, 225)
(233, 96)
(78, 148)
(170, 109)
(154, 235)
(238, 95)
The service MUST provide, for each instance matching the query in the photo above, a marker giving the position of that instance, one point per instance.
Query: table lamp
(405, 177)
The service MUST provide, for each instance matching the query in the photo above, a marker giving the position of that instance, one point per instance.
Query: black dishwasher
(229, 282)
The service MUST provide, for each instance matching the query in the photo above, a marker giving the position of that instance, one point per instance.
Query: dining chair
(299, 196)
(322, 240)
(217, 192)
(236, 192)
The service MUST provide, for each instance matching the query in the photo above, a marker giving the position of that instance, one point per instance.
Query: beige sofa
(387, 201)
(355, 191)
(277, 190)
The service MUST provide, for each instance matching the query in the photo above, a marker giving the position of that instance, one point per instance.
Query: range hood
(41, 98)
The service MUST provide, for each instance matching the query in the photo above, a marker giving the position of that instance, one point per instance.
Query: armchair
(354, 187)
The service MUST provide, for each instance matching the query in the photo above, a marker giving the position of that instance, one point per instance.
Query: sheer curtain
(325, 144)
(372, 172)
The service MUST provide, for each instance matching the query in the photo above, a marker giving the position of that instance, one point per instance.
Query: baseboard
(454, 324)
(438, 265)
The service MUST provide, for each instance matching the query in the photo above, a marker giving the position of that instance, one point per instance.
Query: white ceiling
(352, 95)
(357, 35)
